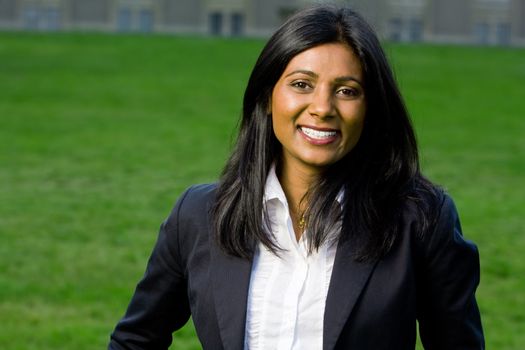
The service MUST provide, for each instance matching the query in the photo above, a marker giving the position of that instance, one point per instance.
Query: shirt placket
(299, 265)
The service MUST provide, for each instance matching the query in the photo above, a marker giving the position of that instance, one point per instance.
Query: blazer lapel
(231, 279)
(346, 284)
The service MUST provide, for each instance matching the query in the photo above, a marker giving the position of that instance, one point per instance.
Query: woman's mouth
(318, 137)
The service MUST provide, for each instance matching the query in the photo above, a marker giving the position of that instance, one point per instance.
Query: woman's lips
(318, 136)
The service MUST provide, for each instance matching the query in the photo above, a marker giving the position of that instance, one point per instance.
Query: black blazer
(370, 306)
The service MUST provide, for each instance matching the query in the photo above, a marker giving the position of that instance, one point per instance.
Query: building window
(124, 19)
(395, 27)
(481, 33)
(30, 18)
(52, 19)
(216, 23)
(503, 33)
(415, 30)
(237, 23)
(146, 20)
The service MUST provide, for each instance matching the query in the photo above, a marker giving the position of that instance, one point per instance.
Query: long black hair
(379, 176)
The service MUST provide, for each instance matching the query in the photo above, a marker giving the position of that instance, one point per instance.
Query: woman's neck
(295, 183)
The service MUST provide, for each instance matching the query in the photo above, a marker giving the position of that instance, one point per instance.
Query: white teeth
(317, 134)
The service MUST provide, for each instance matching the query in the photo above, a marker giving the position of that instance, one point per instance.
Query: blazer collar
(348, 280)
(230, 282)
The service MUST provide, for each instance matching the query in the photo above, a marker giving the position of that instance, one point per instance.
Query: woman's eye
(348, 92)
(300, 85)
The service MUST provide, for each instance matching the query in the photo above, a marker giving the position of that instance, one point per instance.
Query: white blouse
(287, 294)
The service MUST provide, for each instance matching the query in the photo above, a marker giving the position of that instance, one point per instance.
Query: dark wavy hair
(379, 176)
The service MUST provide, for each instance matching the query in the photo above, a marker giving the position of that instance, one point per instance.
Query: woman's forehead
(333, 59)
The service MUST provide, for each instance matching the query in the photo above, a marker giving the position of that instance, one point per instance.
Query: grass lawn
(101, 133)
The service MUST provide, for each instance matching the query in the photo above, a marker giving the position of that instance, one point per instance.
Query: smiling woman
(318, 107)
(322, 230)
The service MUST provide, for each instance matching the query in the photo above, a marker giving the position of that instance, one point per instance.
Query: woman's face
(318, 107)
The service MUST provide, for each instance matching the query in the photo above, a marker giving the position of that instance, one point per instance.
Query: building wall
(492, 22)
(93, 11)
(7, 10)
(518, 21)
(40, 14)
(449, 20)
(182, 14)
(226, 18)
(375, 12)
(267, 15)
(406, 20)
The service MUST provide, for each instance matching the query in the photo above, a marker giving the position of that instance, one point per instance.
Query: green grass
(99, 134)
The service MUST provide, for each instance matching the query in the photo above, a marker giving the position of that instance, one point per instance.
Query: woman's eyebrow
(342, 79)
(348, 78)
(303, 71)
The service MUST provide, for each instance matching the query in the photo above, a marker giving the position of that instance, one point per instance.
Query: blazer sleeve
(448, 313)
(160, 304)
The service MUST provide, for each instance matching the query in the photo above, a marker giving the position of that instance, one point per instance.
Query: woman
(322, 232)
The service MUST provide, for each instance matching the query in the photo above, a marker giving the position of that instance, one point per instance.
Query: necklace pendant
(302, 223)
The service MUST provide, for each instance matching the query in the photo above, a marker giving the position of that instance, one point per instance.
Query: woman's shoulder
(194, 202)
(422, 200)
(197, 195)
(434, 215)
(188, 224)
(431, 208)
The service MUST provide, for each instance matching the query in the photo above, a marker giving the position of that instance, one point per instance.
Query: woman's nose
(322, 104)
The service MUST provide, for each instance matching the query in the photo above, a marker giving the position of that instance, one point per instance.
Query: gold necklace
(302, 222)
